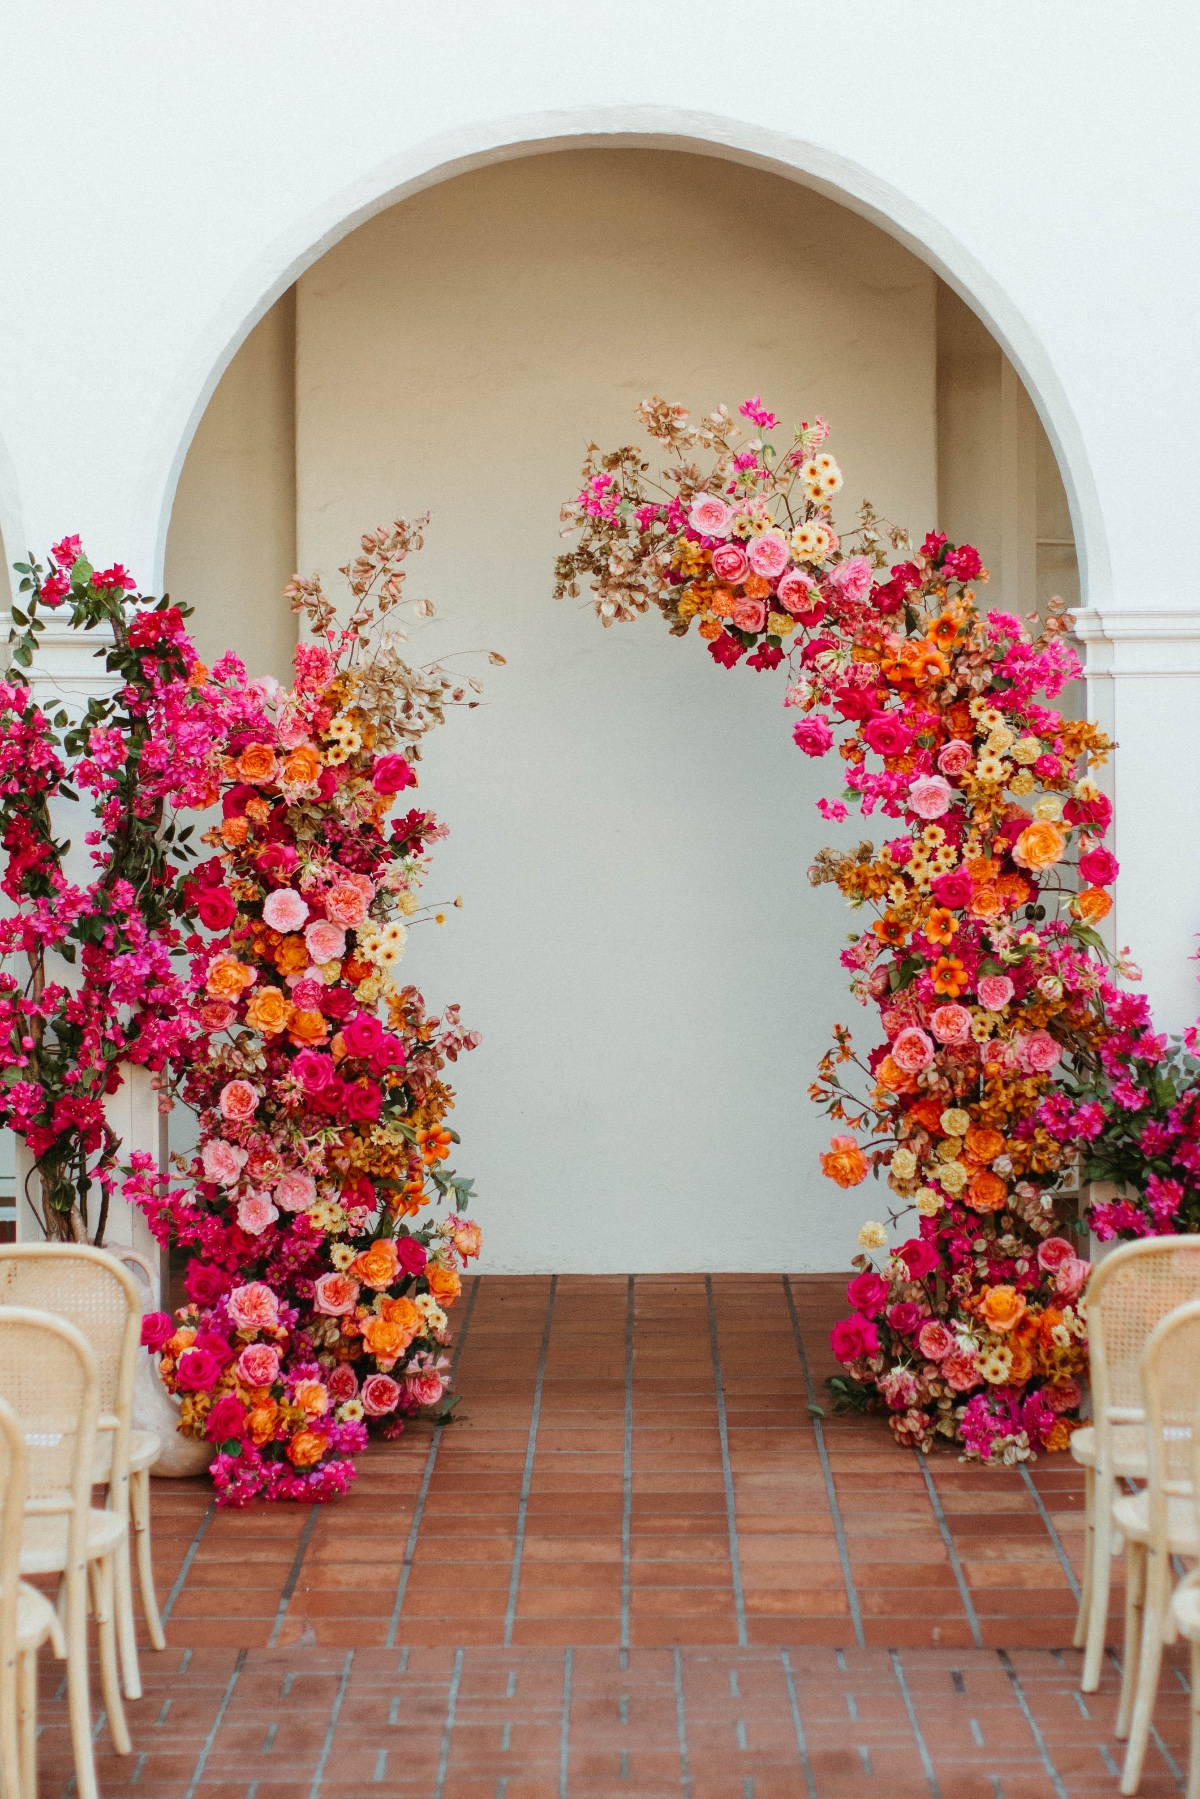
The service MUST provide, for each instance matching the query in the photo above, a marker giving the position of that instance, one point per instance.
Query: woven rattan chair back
(1171, 1385)
(95, 1293)
(14, 1480)
(1128, 1295)
(48, 1378)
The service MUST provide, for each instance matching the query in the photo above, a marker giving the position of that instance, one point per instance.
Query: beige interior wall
(231, 547)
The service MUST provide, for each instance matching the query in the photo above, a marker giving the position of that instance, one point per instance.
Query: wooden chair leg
(1135, 1593)
(27, 1723)
(131, 1674)
(75, 1585)
(1098, 1576)
(110, 1680)
(1089, 1557)
(10, 1757)
(1193, 1786)
(1154, 1627)
(140, 1497)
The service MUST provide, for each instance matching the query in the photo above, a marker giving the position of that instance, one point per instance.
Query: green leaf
(81, 571)
(22, 655)
(18, 616)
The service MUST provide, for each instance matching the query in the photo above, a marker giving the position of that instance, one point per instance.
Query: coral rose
(844, 1162)
(912, 1050)
(269, 1011)
(750, 615)
(1039, 846)
(238, 1101)
(467, 1237)
(312, 1396)
(951, 1024)
(342, 1383)
(444, 1283)
(335, 1295)
(960, 1371)
(306, 1448)
(955, 758)
(425, 1388)
(258, 1365)
(217, 1014)
(986, 1192)
(1053, 1253)
(995, 991)
(730, 563)
(1002, 1309)
(380, 1395)
(345, 904)
(935, 1341)
(798, 595)
(253, 1307)
(303, 767)
(377, 1266)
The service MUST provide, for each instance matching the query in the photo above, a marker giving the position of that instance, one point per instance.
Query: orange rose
(262, 1420)
(291, 956)
(986, 1192)
(311, 1396)
(385, 1340)
(928, 1113)
(227, 978)
(1092, 905)
(1040, 845)
(303, 767)
(1002, 1308)
(307, 1028)
(844, 1162)
(257, 763)
(269, 1011)
(1022, 1366)
(404, 1313)
(378, 1266)
(1013, 890)
(889, 1074)
(984, 1145)
(235, 832)
(306, 1448)
(444, 1284)
(1061, 1432)
(986, 902)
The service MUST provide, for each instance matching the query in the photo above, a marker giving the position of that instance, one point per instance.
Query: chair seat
(44, 1540)
(1186, 1606)
(1129, 1449)
(145, 1447)
(37, 1620)
(1131, 1515)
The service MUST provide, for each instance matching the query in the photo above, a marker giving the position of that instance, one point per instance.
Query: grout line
(964, 1591)
(564, 1746)
(823, 1456)
(627, 1491)
(1019, 1694)
(188, 1559)
(410, 1548)
(210, 1739)
(451, 1703)
(685, 1771)
(289, 1585)
(327, 1745)
(527, 1478)
(797, 1724)
(735, 1564)
(922, 1745)
(1048, 1521)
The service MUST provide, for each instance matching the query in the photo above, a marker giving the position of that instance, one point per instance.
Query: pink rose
(1071, 1278)
(255, 1212)
(813, 735)
(951, 1024)
(995, 991)
(1053, 1253)
(217, 1014)
(157, 1328)
(424, 1388)
(899, 1388)
(710, 516)
(362, 1035)
(1037, 1052)
(258, 1365)
(853, 577)
(960, 1372)
(313, 1070)
(284, 910)
(954, 890)
(935, 1342)
(362, 1102)
(342, 1383)
(750, 615)
(292, 729)
(905, 1317)
(380, 1395)
(1063, 1395)
(196, 1371)
(238, 1101)
(253, 1307)
(851, 1338)
(345, 904)
(1099, 867)
(216, 908)
(919, 1257)
(223, 1162)
(325, 942)
(769, 554)
(335, 1295)
(392, 774)
(867, 1293)
(797, 594)
(912, 1050)
(730, 563)
(955, 757)
(412, 1256)
(227, 1419)
(295, 1192)
(929, 796)
(887, 735)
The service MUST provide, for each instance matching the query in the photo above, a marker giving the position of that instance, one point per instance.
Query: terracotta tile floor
(636, 1564)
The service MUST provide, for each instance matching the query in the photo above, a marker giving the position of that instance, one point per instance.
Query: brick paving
(637, 1563)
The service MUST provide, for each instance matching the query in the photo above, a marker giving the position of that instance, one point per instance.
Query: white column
(1143, 678)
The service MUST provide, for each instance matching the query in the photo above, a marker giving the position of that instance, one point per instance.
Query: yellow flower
(953, 1177)
(1022, 783)
(1048, 806)
(955, 1122)
(995, 1365)
(928, 1202)
(1026, 751)
(904, 1164)
(872, 1236)
(779, 624)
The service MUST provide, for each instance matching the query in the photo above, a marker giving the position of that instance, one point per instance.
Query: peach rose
(253, 1307)
(223, 1162)
(444, 1283)
(912, 1050)
(227, 978)
(1039, 846)
(345, 904)
(255, 1212)
(986, 1192)
(335, 1295)
(291, 957)
(1002, 1308)
(955, 758)
(385, 1340)
(378, 1266)
(404, 1313)
(238, 1101)
(380, 1395)
(261, 1421)
(844, 1162)
(269, 1011)
(303, 766)
(307, 1028)
(306, 1448)
(296, 1192)
(468, 1238)
(325, 942)
(258, 1365)
(311, 1396)
(986, 902)
(257, 762)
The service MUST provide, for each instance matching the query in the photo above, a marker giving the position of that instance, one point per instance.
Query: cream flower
(953, 1177)
(928, 1202)
(1048, 806)
(1022, 783)
(904, 1164)
(955, 1122)
(1026, 751)
(991, 768)
(1000, 738)
(341, 1255)
(872, 1236)
(995, 1365)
